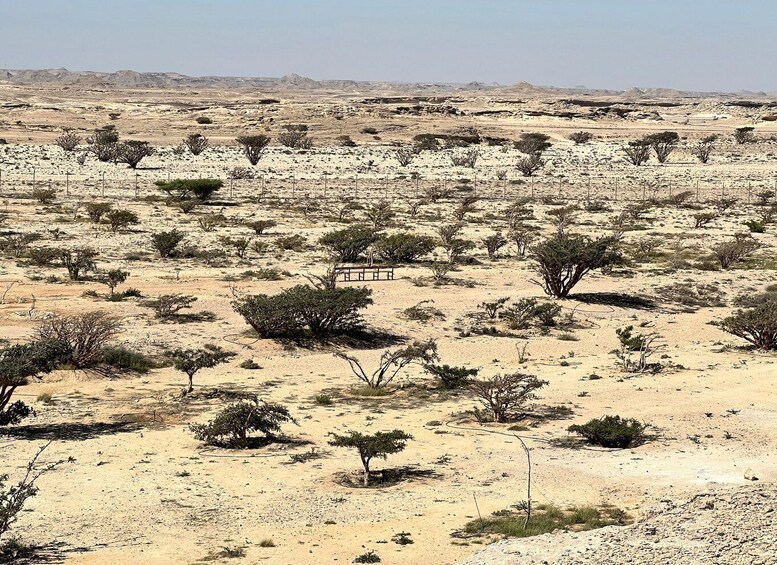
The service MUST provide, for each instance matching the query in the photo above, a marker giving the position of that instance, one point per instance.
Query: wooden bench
(366, 273)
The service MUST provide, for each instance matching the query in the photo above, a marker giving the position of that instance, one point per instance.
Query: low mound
(722, 525)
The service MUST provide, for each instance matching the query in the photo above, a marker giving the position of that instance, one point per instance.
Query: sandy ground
(141, 489)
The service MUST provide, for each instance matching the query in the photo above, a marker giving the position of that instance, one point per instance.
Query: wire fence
(139, 185)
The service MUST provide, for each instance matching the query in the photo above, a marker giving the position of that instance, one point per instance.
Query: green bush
(612, 431)
(452, 377)
(120, 219)
(756, 226)
(322, 312)
(18, 364)
(368, 557)
(757, 324)
(347, 245)
(564, 259)
(165, 242)
(96, 210)
(404, 247)
(43, 256)
(528, 311)
(186, 189)
(260, 226)
(232, 425)
(125, 359)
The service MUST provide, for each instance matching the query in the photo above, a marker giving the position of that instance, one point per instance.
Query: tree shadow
(363, 338)
(18, 553)
(616, 299)
(385, 478)
(68, 431)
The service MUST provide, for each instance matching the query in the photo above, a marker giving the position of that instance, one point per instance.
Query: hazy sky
(688, 44)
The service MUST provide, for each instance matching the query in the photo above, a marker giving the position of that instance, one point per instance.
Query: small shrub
(744, 135)
(295, 242)
(452, 377)
(85, 335)
(612, 431)
(528, 311)
(133, 152)
(196, 143)
(253, 146)
(735, 250)
(167, 306)
(44, 195)
(423, 312)
(166, 242)
(250, 365)
(757, 324)
(404, 247)
(232, 425)
(121, 219)
(124, 359)
(68, 141)
(295, 136)
(261, 226)
(96, 210)
(580, 137)
(532, 143)
(564, 259)
(502, 395)
(43, 256)
(493, 307)
(187, 189)
(322, 311)
(191, 361)
(78, 261)
(368, 557)
(347, 245)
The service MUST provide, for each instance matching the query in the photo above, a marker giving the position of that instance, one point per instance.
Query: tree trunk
(366, 465)
(191, 384)
(6, 391)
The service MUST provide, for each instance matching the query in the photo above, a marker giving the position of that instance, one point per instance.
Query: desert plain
(135, 486)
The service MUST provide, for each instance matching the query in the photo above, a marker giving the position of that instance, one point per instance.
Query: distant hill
(133, 79)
